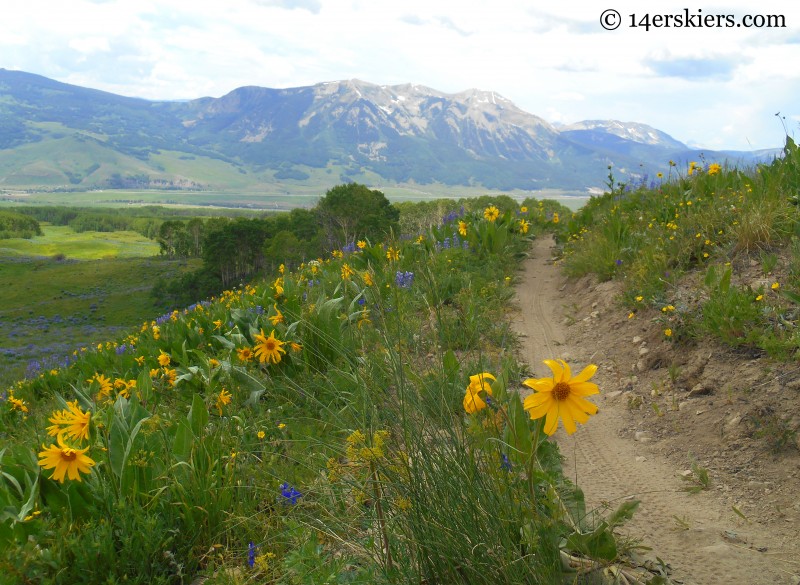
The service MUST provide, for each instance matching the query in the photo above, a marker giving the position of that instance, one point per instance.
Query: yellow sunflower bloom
(18, 404)
(104, 384)
(491, 213)
(562, 396)
(223, 399)
(71, 422)
(65, 461)
(462, 228)
(269, 349)
(277, 317)
(163, 358)
(347, 272)
(245, 353)
(477, 384)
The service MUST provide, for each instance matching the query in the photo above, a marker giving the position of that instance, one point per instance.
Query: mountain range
(59, 136)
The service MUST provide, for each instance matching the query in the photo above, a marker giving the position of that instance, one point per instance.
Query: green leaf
(597, 544)
(31, 501)
(198, 415)
(450, 364)
(182, 442)
(519, 434)
(623, 513)
(725, 281)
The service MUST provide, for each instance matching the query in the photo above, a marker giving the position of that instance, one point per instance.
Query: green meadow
(64, 290)
(64, 241)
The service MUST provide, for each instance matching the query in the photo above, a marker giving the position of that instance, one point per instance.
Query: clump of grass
(774, 429)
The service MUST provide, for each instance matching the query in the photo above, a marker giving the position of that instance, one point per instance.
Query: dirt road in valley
(698, 535)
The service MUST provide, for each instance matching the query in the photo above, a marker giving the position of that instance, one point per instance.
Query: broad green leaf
(597, 544)
(198, 415)
(182, 442)
(623, 513)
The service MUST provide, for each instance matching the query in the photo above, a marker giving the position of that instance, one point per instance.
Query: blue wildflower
(505, 464)
(404, 279)
(251, 554)
(291, 494)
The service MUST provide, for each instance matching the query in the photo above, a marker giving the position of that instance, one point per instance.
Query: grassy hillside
(716, 249)
(350, 421)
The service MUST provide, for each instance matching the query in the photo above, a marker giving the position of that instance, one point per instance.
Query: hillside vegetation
(716, 249)
(357, 418)
(349, 420)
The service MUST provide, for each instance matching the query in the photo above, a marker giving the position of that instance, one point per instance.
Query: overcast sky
(712, 87)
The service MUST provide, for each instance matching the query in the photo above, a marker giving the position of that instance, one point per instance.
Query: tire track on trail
(697, 534)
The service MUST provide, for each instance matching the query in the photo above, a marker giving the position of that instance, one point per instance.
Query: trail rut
(698, 535)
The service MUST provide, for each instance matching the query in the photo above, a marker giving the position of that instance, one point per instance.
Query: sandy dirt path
(701, 538)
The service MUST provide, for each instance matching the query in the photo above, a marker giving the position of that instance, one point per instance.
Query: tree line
(235, 250)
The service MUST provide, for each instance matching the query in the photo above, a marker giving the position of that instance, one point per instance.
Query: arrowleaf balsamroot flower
(65, 460)
(491, 213)
(71, 422)
(477, 384)
(223, 399)
(562, 396)
(268, 349)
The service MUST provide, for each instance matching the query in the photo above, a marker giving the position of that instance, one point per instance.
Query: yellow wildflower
(71, 422)
(269, 349)
(477, 384)
(65, 460)
(223, 399)
(562, 396)
(347, 272)
(277, 317)
(18, 404)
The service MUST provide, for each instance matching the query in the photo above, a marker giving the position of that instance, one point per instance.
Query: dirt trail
(699, 535)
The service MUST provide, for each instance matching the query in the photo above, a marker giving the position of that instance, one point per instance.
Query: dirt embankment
(663, 407)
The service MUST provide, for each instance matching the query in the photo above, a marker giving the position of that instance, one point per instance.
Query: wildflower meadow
(355, 418)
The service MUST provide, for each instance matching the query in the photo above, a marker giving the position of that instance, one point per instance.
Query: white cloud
(709, 85)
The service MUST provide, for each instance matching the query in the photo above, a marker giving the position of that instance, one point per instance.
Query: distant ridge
(56, 135)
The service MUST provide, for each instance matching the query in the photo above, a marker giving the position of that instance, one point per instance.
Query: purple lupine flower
(404, 279)
(291, 494)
